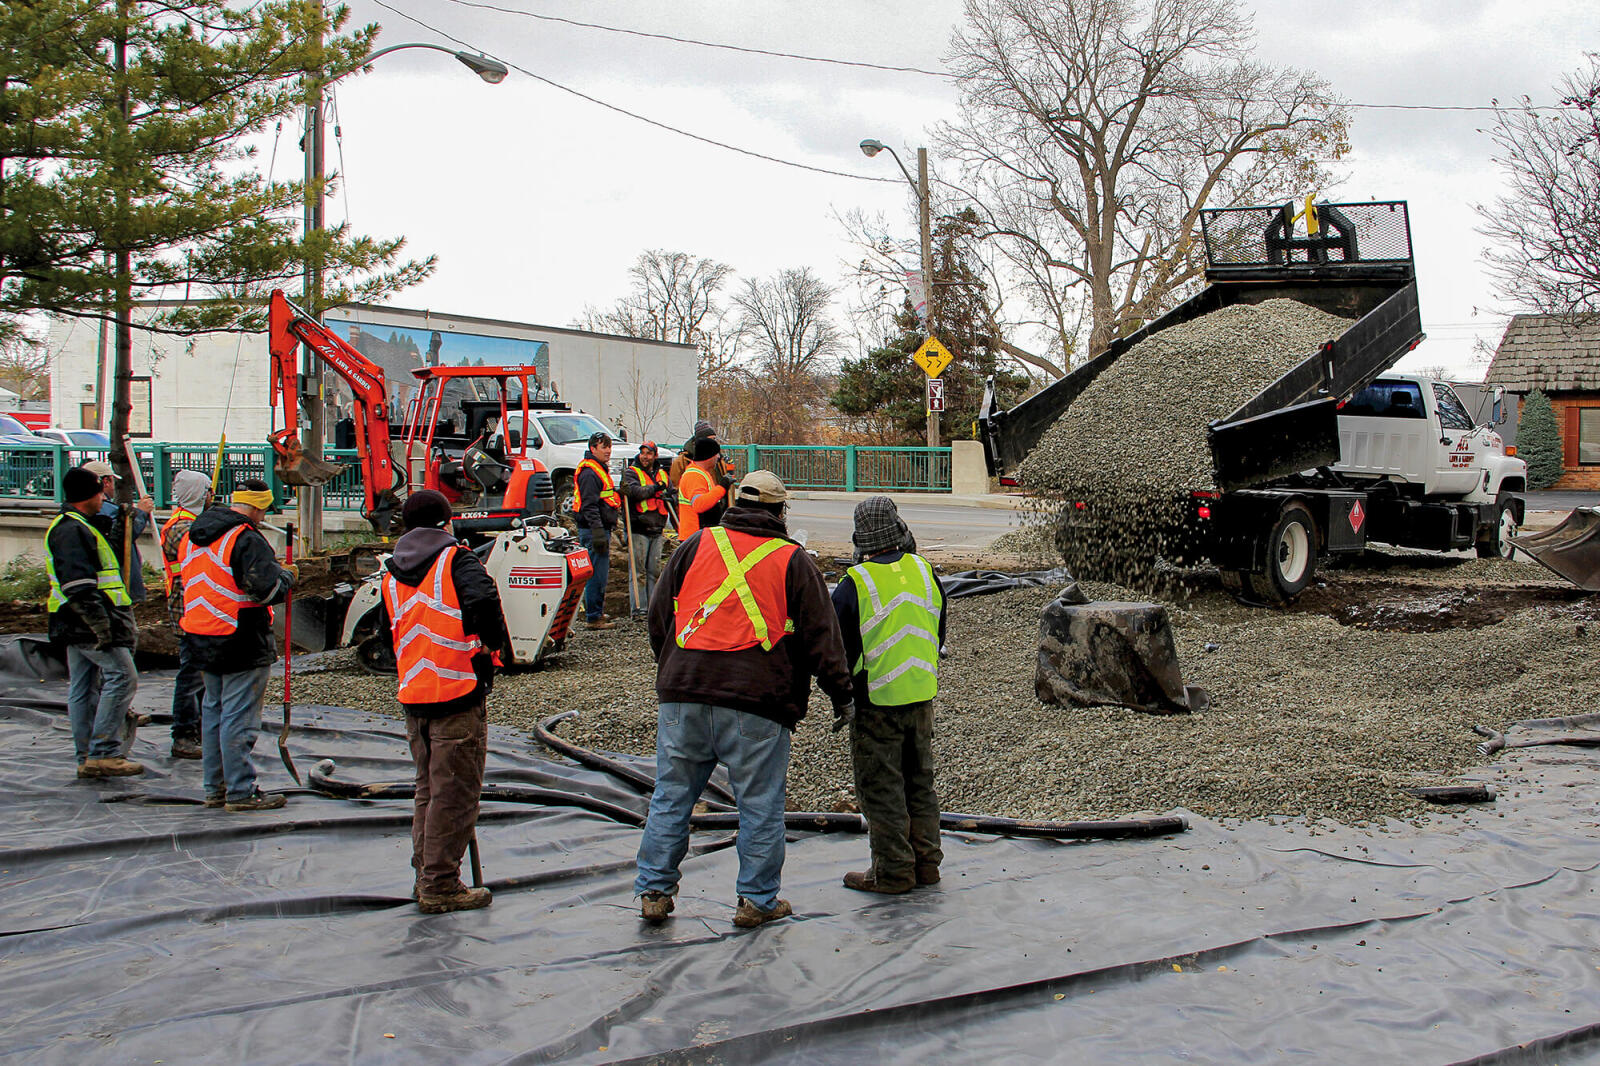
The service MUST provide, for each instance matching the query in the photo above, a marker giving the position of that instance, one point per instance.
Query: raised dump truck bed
(1284, 491)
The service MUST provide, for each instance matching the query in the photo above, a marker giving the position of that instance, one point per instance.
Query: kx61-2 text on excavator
(501, 497)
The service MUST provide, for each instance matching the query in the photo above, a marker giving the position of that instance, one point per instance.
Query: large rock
(1119, 653)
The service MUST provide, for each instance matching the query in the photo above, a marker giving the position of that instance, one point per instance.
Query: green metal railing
(31, 474)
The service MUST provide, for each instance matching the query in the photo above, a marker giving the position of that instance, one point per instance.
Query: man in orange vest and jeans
(597, 504)
(230, 579)
(444, 612)
(191, 493)
(740, 622)
(644, 484)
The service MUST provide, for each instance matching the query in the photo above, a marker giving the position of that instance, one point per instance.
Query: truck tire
(1496, 542)
(1291, 556)
(563, 486)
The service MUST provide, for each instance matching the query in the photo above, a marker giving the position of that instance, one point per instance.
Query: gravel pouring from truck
(1316, 460)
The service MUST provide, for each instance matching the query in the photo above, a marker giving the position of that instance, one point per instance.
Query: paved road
(935, 525)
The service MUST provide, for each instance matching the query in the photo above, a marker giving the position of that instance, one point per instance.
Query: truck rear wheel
(1496, 544)
(1291, 556)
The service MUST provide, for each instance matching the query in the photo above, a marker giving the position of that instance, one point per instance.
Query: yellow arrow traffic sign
(932, 357)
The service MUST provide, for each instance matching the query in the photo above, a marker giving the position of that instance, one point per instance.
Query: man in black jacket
(740, 622)
(447, 716)
(644, 486)
(598, 504)
(230, 578)
(91, 614)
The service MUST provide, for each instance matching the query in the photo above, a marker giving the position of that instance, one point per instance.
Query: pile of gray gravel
(1310, 718)
(1133, 446)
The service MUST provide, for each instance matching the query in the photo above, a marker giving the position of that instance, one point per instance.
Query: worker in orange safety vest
(644, 484)
(597, 506)
(191, 494)
(444, 613)
(703, 489)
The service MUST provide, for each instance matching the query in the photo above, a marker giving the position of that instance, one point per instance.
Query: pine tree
(1539, 441)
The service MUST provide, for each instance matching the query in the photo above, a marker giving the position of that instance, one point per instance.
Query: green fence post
(849, 468)
(58, 463)
(160, 475)
(269, 470)
(752, 456)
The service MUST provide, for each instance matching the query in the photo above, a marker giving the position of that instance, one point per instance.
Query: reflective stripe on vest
(756, 580)
(431, 646)
(174, 566)
(654, 503)
(608, 489)
(688, 517)
(899, 612)
(212, 599)
(108, 575)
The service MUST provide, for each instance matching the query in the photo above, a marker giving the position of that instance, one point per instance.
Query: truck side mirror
(514, 438)
(1497, 413)
(536, 441)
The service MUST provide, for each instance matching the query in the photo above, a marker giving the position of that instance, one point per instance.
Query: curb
(992, 501)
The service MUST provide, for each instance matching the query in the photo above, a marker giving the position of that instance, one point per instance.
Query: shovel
(288, 654)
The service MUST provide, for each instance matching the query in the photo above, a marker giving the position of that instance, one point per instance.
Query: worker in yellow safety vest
(597, 505)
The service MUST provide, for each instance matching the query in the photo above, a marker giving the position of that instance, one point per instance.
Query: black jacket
(773, 684)
(847, 606)
(650, 523)
(88, 616)
(481, 615)
(593, 514)
(257, 573)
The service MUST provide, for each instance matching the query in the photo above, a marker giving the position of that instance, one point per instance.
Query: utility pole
(925, 225)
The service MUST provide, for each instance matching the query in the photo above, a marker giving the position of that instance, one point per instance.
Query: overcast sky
(536, 201)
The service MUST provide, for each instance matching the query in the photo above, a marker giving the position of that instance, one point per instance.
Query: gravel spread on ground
(1323, 711)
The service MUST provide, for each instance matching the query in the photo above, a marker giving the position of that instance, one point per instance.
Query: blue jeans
(691, 738)
(230, 718)
(594, 593)
(646, 567)
(187, 689)
(99, 697)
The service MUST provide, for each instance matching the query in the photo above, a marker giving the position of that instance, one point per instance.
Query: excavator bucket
(1571, 549)
(295, 467)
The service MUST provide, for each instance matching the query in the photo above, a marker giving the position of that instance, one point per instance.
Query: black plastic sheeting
(983, 582)
(136, 926)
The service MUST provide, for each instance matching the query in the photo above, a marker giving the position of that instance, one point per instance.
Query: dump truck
(1337, 452)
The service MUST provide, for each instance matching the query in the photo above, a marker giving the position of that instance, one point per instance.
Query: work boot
(602, 623)
(463, 899)
(655, 906)
(927, 873)
(138, 718)
(215, 800)
(110, 766)
(259, 801)
(748, 916)
(867, 881)
(186, 748)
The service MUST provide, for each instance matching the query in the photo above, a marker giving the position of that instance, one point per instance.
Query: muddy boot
(655, 906)
(186, 748)
(110, 766)
(866, 881)
(260, 801)
(927, 873)
(214, 801)
(748, 916)
(464, 899)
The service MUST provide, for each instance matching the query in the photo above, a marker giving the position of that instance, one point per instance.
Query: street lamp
(309, 508)
(919, 185)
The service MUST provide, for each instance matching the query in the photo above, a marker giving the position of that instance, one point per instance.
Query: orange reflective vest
(654, 503)
(175, 565)
(694, 498)
(431, 645)
(608, 490)
(211, 598)
(736, 593)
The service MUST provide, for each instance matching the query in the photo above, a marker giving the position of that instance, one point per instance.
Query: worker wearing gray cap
(892, 619)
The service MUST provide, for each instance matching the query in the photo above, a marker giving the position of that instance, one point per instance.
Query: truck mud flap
(1571, 549)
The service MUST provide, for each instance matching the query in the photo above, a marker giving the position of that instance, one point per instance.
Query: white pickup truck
(559, 438)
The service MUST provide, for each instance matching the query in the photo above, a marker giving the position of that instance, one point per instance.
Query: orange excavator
(488, 476)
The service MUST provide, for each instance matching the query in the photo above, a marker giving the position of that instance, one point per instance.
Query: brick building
(1561, 357)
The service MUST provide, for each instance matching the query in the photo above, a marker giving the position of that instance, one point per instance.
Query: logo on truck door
(1358, 515)
(1463, 455)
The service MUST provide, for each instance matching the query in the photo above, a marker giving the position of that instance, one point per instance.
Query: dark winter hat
(425, 510)
(704, 448)
(879, 527)
(79, 484)
(704, 429)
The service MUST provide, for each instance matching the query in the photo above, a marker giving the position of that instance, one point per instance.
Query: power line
(635, 115)
(705, 44)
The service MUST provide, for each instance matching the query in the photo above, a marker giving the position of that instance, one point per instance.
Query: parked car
(14, 432)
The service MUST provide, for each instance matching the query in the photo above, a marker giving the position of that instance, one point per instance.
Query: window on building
(1589, 436)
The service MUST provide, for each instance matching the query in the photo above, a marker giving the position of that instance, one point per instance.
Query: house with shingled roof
(1559, 355)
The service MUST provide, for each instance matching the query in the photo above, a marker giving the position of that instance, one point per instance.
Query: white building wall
(192, 378)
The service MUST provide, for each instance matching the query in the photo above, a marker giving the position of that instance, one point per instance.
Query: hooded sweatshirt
(257, 573)
(189, 490)
(481, 615)
(772, 684)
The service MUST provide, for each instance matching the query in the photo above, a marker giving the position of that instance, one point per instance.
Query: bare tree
(1093, 131)
(24, 366)
(787, 329)
(643, 400)
(1546, 229)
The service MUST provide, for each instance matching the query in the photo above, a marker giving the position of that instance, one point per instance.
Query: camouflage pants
(892, 752)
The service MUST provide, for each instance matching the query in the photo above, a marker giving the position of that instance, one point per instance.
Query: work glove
(103, 641)
(293, 570)
(600, 543)
(843, 714)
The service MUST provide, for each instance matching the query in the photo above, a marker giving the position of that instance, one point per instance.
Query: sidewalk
(995, 501)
